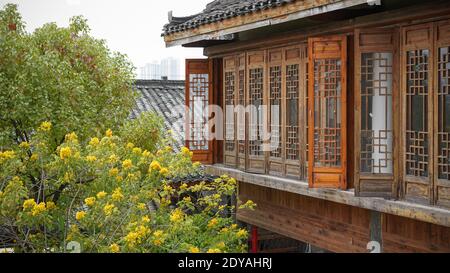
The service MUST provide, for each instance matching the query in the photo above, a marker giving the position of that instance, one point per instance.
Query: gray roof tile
(219, 10)
(162, 96)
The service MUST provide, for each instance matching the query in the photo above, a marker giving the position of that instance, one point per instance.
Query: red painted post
(254, 239)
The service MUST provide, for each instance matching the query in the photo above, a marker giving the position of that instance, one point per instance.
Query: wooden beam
(286, 13)
(416, 14)
(429, 214)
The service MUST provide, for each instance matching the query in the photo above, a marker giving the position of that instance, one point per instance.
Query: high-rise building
(168, 67)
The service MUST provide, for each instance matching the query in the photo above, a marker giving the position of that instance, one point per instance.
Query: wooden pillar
(254, 239)
(376, 234)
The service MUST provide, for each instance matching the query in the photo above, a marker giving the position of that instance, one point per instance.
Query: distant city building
(168, 68)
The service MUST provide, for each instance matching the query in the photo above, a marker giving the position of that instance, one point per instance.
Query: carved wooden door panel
(417, 89)
(327, 112)
(198, 99)
(230, 97)
(376, 99)
(257, 127)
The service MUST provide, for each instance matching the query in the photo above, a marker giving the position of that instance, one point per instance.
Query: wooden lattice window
(376, 113)
(417, 96)
(198, 99)
(444, 113)
(376, 93)
(292, 108)
(275, 110)
(230, 144)
(328, 112)
(241, 113)
(418, 127)
(256, 88)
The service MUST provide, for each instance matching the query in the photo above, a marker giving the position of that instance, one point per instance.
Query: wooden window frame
(418, 37)
(275, 59)
(198, 66)
(376, 41)
(330, 47)
(441, 187)
(229, 64)
(256, 60)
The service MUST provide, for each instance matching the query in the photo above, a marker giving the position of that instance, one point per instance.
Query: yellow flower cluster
(135, 237)
(164, 171)
(90, 201)
(141, 206)
(94, 141)
(197, 164)
(101, 195)
(242, 233)
(108, 209)
(130, 145)
(24, 145)
(183, 187)
(214, 250)
(194, 249)
(117, 195)
(127, 164)
(91, 158)
(212, 223)
(7, 155)
(114, 248)
(176, 216)
(113, 159)
(158, 237)
(137, 151)
(155, 166)
(146, 154)
(185, 151)
(65, 153)
(72, 137)
(80, 215)
(35, 208)
(45, 126)
(109, 133)
(38, 209)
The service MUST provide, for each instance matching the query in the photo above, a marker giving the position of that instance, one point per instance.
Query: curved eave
(289, 12)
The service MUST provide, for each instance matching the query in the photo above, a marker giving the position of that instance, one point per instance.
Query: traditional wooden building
(360, 138)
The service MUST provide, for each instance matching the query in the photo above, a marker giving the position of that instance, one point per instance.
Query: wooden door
(256, 100)
(275, 124)
(442, 114)
(230, 92)
(417, 92)
(327, 112)
(241, 119)
(376, 99)
(198, 98)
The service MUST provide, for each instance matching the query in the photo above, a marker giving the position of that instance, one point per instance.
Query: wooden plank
(337, 227)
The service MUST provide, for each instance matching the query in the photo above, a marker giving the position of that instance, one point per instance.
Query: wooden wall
(336, 227)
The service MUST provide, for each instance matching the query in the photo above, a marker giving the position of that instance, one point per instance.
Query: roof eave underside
(301, 14)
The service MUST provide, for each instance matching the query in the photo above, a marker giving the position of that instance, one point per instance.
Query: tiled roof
(162, 96)
(219, 10)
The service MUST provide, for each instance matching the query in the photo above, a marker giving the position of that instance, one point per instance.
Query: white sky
(132, 27)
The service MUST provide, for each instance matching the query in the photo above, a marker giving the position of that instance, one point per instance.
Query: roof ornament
(170, 15)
